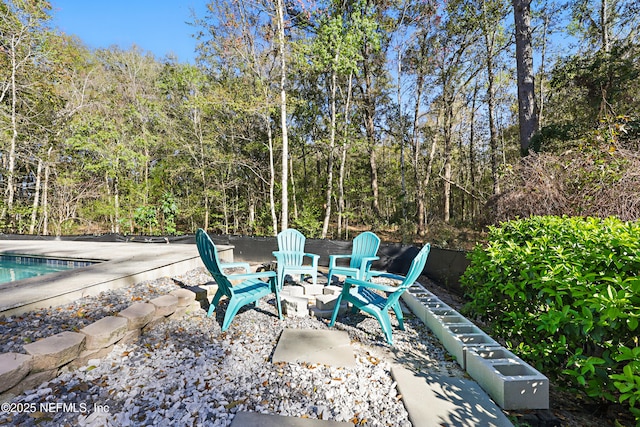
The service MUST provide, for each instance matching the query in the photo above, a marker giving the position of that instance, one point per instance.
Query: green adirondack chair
(359, 293)
(291, 255)
(363, 253)
(250, 290)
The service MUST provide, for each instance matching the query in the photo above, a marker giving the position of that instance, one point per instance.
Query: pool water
(18, 267)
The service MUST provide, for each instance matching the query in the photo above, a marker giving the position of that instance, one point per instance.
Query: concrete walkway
(430, 400)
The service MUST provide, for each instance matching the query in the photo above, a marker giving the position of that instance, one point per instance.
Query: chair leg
(398, 311)
(385, 324)
(336, 309)
(214, 302)
(232, 310)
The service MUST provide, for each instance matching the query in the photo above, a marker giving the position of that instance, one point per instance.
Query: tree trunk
(491, 101)
(284, 220)
(332, 142)
(343, 157)
(527, 115)
(10, 191)
(45, 197)
(36, 199)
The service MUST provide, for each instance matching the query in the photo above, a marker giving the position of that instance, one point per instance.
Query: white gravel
(188, 372)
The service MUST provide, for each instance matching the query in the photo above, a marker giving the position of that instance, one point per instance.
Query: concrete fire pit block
(104, 332)
(312, 290)
(295, 306)
(138, 314)
(292, 291)
(326, 314)
(54, 351)
(13, 368)
(326, 302)
(512, 383)
(185, 296)
(331, 290)
(165, 305)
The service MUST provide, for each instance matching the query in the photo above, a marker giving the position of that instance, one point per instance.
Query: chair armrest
(314, 258)
(350, 281)
(226, 265)
(260, 275)
(334, 258)
(370, 258)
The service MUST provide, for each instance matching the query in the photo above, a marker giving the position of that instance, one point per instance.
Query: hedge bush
(564, 293)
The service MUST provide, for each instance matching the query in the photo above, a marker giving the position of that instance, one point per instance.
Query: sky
(158, 26)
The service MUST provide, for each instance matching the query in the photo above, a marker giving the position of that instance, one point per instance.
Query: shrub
(564, 293)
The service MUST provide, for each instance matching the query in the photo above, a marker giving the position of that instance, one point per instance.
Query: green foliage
(146, 218)
(308, 222)
(565, 294)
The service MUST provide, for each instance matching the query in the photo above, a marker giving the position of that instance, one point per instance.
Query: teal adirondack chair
(251, 289)
(291, 255)
(363, 253)
(359, 293)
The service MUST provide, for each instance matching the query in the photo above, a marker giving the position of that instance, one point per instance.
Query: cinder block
(511, 382)
(165, 305)
(331, 290)
(138, 314)
(312, 290)
(326, 314)
(54, 351)
(295, 306)
(104, 332)
(13, 368)
(459, 338)
(326, 302)
(437, 319)
(292, 290)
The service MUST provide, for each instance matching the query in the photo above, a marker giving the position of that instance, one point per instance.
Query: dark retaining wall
(444, 266)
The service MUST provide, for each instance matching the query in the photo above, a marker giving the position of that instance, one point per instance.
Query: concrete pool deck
(121, 264)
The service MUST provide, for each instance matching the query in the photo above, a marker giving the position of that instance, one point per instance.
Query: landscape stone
(165, 305)
(185, 296)
(104, 332)
(13, 368)
(55, 351)
(138, 314)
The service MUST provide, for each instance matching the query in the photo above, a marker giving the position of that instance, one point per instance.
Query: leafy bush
(565, 295)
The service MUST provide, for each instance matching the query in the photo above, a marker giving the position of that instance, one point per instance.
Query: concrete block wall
(44, 359)
(511, 382)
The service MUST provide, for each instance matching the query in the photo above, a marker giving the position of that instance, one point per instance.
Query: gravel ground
(189, 372)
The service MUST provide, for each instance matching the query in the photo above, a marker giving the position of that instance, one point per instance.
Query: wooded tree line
(318, 115)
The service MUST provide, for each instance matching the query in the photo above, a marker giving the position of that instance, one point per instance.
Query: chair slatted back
(291, 243)
(209, 256)
(416, 268)
(364, 245)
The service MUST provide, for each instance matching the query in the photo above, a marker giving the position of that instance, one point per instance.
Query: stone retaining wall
(45, 359)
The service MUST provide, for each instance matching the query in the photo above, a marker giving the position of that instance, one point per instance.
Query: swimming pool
(18, 266)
